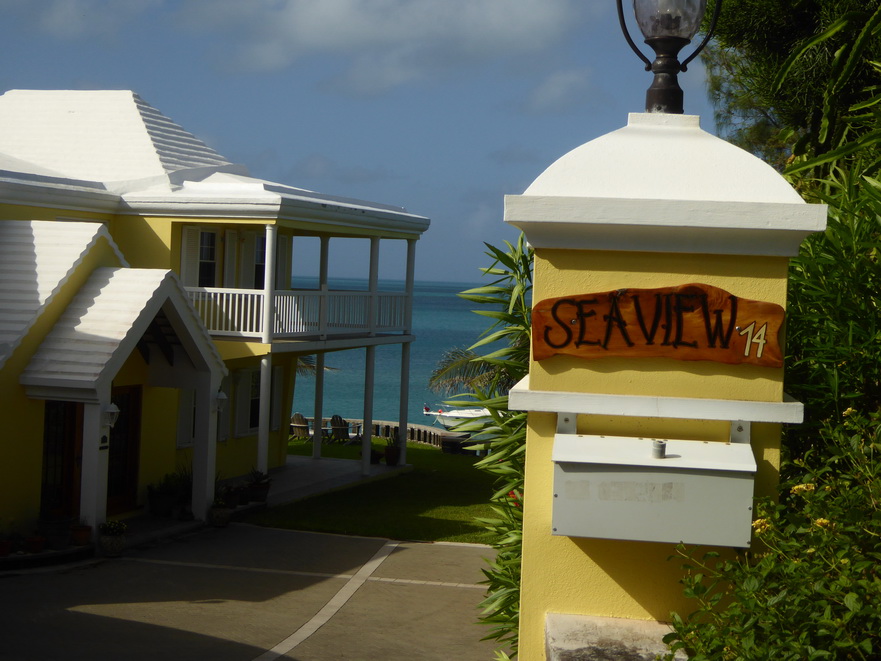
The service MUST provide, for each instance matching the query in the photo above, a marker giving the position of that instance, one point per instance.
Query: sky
(439, 106)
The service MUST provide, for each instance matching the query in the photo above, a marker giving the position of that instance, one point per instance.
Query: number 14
(754, 338)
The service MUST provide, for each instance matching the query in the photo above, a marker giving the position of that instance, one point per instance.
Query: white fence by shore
(417, 433)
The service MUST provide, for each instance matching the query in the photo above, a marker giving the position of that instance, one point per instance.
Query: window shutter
(230, 257)
(246, 278)
(283, 262)
(189, 257)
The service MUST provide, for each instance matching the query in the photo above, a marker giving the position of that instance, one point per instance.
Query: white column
(263, 413)
(93, 478)
(405, 401)
(409, 279)
(323, 252)
(269, 285)
(367, 429)
(319, 406)
(205, 443)
(374, 285)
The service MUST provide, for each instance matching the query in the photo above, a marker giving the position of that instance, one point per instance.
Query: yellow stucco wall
(620, 578)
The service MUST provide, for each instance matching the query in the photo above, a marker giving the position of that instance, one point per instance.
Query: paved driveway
(245, 593)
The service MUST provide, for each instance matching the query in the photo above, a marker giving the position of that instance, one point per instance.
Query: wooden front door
(62, 460)
(125, 450)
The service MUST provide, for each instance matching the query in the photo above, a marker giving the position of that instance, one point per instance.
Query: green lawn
(436, 501)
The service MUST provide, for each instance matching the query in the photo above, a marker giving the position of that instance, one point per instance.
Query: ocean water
(441, 321)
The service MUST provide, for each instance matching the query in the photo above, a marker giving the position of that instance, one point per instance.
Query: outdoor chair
(339, 430)
(299, 426)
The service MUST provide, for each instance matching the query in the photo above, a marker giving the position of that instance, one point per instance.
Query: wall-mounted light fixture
(220, 401)
(110, 414)
(668, 26)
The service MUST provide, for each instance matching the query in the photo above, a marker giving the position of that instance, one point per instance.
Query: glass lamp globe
(669, 18)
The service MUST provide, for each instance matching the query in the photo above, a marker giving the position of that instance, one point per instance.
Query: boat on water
(453, 417)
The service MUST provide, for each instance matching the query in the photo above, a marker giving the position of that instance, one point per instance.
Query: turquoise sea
(441, 320)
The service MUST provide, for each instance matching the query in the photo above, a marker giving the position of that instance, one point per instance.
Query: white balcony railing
(239, 312)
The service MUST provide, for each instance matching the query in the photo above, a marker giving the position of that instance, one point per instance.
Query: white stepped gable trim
(46, 253)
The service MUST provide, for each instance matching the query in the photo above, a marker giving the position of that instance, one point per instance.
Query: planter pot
(35, 544)
(392, 455)
(258, 491)
(232, 497)
(219, 517)
(112, 545)
(80, 535)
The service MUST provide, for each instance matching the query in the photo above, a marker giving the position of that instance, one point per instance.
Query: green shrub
(813, 590)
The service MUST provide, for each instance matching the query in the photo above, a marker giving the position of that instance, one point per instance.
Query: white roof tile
(36, 259)
(108, 135)
(103, 323)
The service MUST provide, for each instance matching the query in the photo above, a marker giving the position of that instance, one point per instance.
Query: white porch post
(269, 285)
(263, 413)
(96, 448)
(319, 406)
(205, 444)
(405, 402)
(323, 252)
(367, 428)
(373, 304)
(409, 280)
(405, 352)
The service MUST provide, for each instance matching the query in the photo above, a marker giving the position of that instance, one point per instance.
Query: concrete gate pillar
(661, 257)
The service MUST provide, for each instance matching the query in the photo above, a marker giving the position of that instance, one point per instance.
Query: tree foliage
(797, 78)
(811, 592)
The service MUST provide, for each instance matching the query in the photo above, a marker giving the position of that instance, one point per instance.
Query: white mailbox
(612, 487)
(617, 487)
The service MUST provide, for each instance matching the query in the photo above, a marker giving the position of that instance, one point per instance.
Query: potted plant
(392, 452)
(112, 537)
(163, 496)
(258, 486)
(220, 513)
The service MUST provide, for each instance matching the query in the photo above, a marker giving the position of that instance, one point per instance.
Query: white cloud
(73, 19)
(560, 91)
(383, 43)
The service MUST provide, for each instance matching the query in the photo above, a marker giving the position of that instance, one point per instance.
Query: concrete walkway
(249, 593)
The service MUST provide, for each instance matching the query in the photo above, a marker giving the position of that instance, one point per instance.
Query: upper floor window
(199, 260)
(207, 259)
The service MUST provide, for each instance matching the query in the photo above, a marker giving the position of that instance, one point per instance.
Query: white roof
(36, 260)
(72, 146)
(97, 135)
(104, 322)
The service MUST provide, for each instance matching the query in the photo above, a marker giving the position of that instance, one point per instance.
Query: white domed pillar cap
(662, 184)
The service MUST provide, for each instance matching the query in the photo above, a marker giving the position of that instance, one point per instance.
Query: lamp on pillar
(220, 401)
(668, 26)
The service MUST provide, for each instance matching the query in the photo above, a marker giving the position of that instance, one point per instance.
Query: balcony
(300, 314)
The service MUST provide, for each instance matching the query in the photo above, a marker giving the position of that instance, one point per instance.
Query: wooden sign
(689, 322)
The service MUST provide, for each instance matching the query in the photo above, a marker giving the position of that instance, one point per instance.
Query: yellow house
(203, 328)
